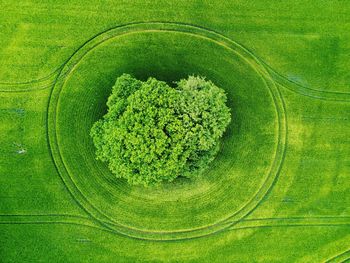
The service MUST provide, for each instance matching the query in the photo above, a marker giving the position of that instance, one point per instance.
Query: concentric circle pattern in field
(239, 178)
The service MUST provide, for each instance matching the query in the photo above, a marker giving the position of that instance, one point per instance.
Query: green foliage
(153, 132)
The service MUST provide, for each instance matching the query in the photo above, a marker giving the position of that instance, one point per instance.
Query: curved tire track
(186, 29)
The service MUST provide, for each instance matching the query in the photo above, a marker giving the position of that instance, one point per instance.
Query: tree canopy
(153, 132)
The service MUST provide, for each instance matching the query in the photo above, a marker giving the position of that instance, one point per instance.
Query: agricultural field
(279, 188)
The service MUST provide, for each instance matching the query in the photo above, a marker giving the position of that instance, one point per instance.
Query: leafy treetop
(153, 132)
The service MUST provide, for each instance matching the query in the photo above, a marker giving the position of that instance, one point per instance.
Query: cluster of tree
(153, 132)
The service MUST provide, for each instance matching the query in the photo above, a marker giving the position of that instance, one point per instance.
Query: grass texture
(278, 190)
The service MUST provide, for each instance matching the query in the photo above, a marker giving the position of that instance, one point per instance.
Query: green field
(279, 189)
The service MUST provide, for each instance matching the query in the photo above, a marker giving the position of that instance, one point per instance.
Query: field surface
(279, 189)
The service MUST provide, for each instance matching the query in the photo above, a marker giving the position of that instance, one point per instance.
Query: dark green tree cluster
(153, 132)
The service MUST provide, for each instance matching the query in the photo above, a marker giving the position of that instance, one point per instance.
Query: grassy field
(279, 189)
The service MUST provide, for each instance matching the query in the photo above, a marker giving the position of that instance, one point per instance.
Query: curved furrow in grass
(292, 221)
(85, 203)
(28, 87)
(34, 85)
(340, 258)
(47, 219)
(257, 223)
(285, 82)
(308, 92)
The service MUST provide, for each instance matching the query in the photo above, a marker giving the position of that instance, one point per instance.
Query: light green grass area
(279, 189)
